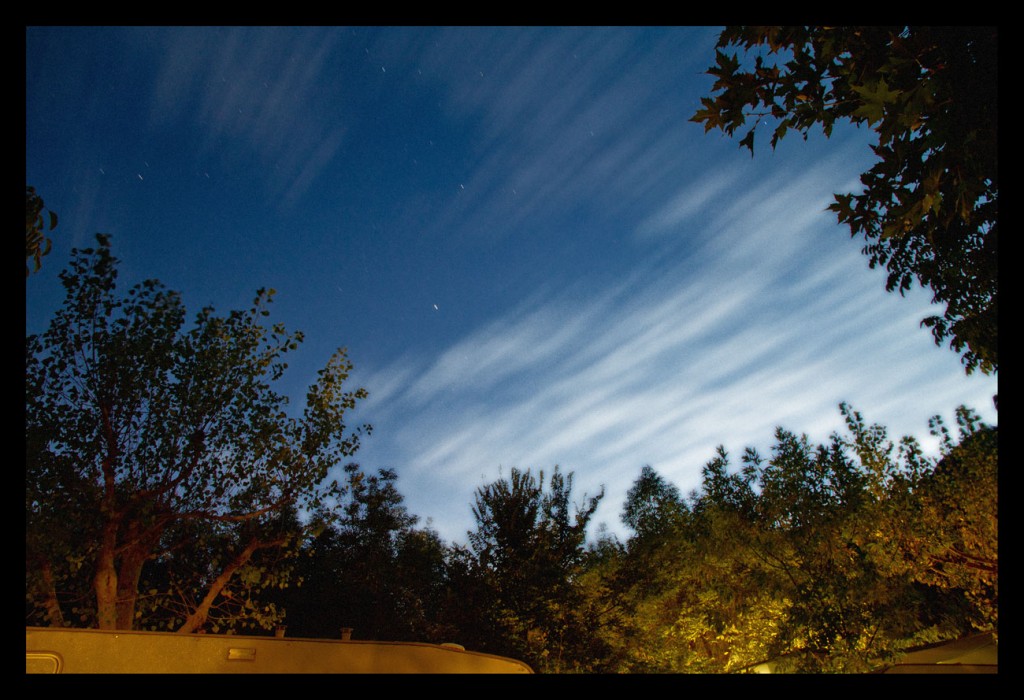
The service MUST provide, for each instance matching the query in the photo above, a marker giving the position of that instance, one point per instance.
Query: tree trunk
(128, 586)
(105, 580)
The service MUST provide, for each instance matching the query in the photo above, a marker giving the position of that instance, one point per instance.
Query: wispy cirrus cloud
(688, 203)
(256, 90)
(563, 118)
(668, 364)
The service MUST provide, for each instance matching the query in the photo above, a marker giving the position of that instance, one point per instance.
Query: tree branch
(198, 617)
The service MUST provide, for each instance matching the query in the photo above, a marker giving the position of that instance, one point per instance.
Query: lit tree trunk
(128, 586)
(105, 580)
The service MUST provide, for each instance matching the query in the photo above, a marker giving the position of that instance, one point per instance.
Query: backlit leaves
(928, 212)
(36, 225)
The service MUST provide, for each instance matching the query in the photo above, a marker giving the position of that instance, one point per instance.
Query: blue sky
(531, 255)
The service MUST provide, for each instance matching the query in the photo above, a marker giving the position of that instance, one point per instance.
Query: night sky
(531, 254)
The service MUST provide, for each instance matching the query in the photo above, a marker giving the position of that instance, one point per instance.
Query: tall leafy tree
(939, 525)
(139, 428)
(631, 578)
(929, 207)
(422, 586)
(653, 505)
(527, 549)
(374, 521)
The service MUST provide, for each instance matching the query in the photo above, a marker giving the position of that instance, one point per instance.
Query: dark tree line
(830, 557)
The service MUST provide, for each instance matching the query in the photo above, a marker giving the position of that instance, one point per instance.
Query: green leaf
(878, 92)
(875, 96)
(872, 111)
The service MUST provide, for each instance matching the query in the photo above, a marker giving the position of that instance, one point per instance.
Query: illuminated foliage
(36, 225)
(817, 558)
(173, 584)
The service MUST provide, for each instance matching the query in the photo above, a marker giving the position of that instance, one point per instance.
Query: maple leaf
(875, 97)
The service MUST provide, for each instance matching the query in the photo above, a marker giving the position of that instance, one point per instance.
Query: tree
(527, 548)
(653, 506)
(963, 498)
(939, 524)
(929, 206)
(816, 558)
(36, 243)
(368, 568)
(421, 586)
(140, 431)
